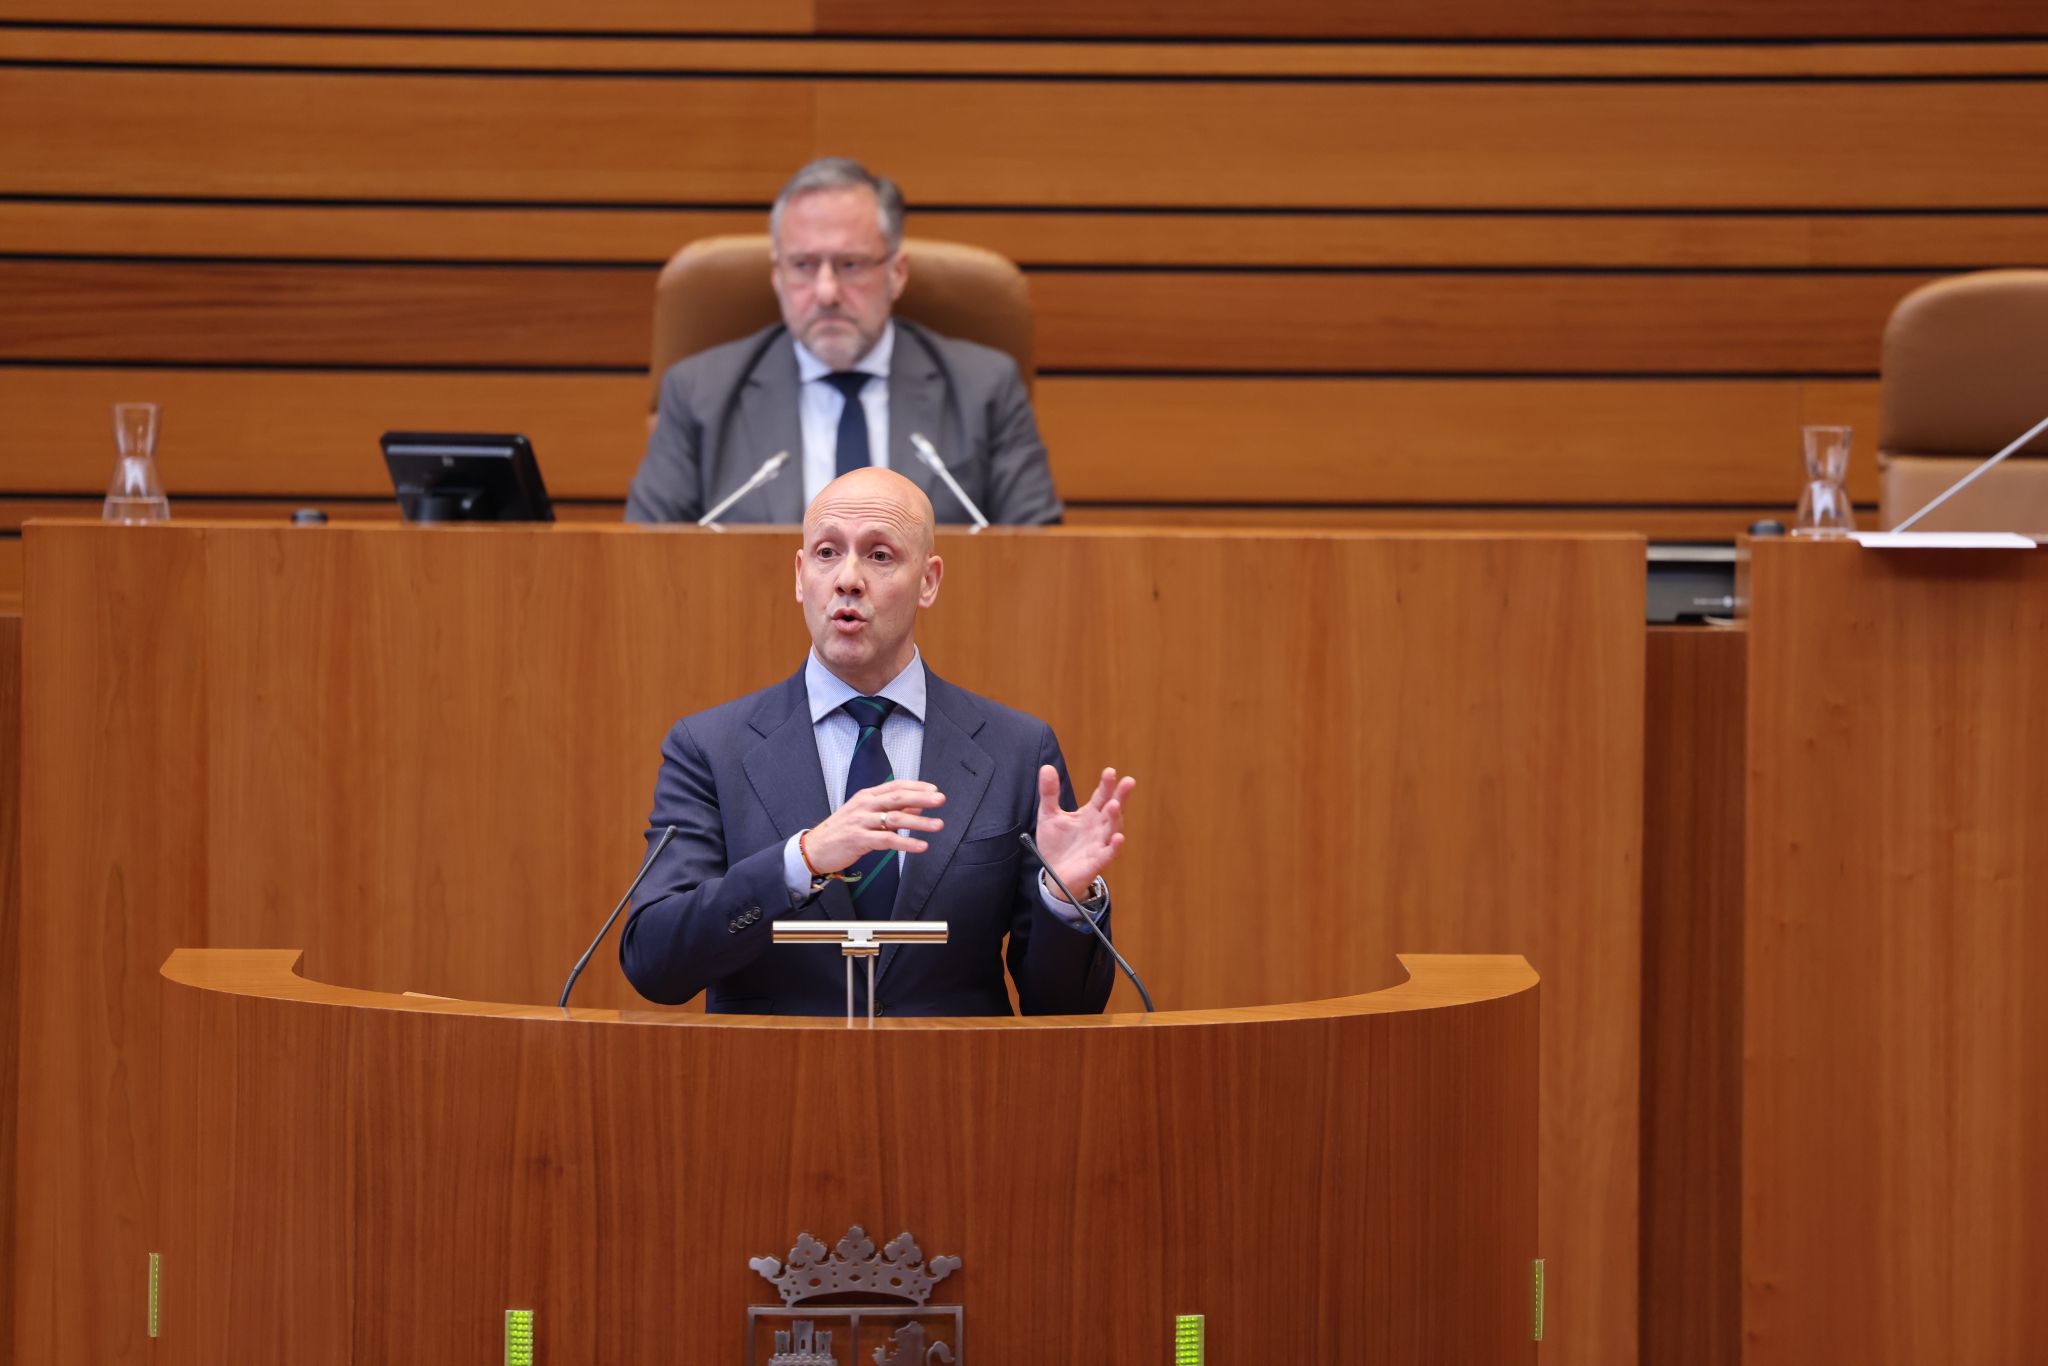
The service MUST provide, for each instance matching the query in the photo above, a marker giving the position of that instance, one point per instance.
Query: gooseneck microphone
(1953, 489)
(770, 467)
(638, 877)
(930, 456)
(1024, 838)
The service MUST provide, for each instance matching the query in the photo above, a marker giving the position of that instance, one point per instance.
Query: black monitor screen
(466, 477)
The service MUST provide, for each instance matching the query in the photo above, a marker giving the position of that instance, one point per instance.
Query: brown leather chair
(717, 290)
(1965, 371)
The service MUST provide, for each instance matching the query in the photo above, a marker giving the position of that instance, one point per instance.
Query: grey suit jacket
(738, 780)
(725, 410)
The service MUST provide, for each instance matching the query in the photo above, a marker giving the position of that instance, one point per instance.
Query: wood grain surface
(1369, 1165)
(1457, 766)
(769, 16)
(1048, 236)
(1137, 18)
(1114, 439)
(10, 934)
(1895, 1087)
(1693, 773)
(1193, 144)
(870, 57)
(554, 317)
(1419, 18)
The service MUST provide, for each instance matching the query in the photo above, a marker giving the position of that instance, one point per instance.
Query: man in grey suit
(866, 787)
(839, 384)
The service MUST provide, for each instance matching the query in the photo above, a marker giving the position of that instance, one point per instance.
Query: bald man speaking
(865, 787)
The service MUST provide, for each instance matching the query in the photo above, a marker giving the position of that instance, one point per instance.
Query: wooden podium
(352, 1177)
(425, 757)
(1895, 1079)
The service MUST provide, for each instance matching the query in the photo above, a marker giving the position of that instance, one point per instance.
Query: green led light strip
(1188, 1346)
(518, 1337)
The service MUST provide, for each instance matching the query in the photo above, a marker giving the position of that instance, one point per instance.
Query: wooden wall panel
(1895, 1087)
(1599, 19)
(1363, 239)
(1568, 145)
(100, 739)
(1441, 693)
(696, 55)
(1114, 440)
(1693, 772)
(10, 928)
(1422, 18)
(560, 317)
(409, 136)
(746, 16)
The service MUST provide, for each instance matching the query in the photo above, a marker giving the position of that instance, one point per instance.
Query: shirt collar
(875, 362)
(829, 692)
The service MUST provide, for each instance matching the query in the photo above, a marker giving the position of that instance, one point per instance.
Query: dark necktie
(853, 421)
(874, 895)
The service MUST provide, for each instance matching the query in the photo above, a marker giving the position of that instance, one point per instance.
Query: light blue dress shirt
(818, 408)
(902, 736)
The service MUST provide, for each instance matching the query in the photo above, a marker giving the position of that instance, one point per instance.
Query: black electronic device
(466, 477)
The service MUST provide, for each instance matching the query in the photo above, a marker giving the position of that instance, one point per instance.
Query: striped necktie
(853, 421)
(874, 895)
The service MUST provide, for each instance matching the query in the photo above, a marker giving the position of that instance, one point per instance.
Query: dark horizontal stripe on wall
(1053, 211)
(911, 75)
(1108, 269)
(265, 366)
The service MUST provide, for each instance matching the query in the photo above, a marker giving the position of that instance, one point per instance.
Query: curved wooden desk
(350, 1176)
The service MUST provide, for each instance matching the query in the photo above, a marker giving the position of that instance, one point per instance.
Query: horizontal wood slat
(867, 57)
(1444, 441)
(1428, 18)
(683, 16)
(1136, 441)
(1134, 18)
(1927, 241)
(561, 317)
(1615, 324)
(1907, 144)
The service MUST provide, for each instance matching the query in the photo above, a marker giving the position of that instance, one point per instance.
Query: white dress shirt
(820, 405)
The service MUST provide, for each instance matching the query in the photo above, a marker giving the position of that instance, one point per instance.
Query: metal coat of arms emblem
(850, 1305)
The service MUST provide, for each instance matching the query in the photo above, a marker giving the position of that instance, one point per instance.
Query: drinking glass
(135, 493)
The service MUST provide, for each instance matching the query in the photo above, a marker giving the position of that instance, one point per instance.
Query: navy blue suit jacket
(738, 780)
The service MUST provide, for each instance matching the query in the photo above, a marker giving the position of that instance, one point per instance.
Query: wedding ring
(881, 820)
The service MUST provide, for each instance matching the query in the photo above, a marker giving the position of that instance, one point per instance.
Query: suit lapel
(959, 767)
(917, 392)
(770, 422)
(787, 778)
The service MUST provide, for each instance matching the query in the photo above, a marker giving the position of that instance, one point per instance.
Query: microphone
(1024, 838)
(1953, 489)
(770, 467)
(638, 877)
(931, 457)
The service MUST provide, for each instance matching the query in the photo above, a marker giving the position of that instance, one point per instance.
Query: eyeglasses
(848, 270)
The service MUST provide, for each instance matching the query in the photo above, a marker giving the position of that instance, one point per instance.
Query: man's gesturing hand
(870, 819)
(1078, 845)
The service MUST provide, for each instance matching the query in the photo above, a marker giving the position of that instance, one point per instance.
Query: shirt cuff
(1067, 910)
(796, 874)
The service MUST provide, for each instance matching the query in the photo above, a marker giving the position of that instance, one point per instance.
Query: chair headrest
(717, 290)
(1965, 366)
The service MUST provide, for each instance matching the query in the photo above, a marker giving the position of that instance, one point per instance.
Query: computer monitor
(466, 477)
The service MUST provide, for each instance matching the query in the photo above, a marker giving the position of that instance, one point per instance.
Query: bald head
(865, 571)
(879, 496)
